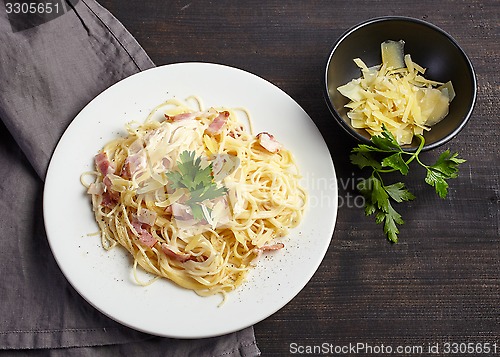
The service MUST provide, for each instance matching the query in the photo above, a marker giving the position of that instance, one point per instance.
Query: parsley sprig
(384, 156)
(198, 181)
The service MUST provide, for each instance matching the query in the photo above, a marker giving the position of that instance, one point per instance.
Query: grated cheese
(399, 98)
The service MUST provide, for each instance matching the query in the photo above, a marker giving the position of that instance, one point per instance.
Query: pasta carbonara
(194, 197)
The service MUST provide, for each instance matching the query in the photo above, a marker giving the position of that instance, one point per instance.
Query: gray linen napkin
(48, 72)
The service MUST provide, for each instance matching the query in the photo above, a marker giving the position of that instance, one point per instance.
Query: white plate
(104, 279)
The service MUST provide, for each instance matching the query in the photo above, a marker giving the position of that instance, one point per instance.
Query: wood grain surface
(441, 282)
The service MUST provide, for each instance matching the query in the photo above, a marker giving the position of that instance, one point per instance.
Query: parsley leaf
(377, 201)
(379, 196)
(396, 162)
(386, 141)
(398, 192)
(446, 167)
(364, 159)
(391, 218)
(384, 156)
(197, 180)
(197, 211)
(438, 180)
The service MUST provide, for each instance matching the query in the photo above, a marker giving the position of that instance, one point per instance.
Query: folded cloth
(48, 72)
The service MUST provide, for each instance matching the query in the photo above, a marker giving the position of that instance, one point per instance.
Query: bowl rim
(374, 20)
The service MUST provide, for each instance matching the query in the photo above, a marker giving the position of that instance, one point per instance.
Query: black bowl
(428, 45)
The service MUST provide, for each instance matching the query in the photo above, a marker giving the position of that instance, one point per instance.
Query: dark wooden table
(441, 283)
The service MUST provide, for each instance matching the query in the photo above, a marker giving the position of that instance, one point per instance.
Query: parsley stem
(421, 163)
(384, 170)
(417, 152)
(377, 172)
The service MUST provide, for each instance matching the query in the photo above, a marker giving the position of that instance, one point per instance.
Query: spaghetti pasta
(195, 198)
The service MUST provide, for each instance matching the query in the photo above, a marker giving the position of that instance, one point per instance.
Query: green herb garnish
(384, 156)
(197, 180)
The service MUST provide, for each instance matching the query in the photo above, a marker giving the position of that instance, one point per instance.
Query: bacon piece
(265, 248)
(182, 116)
(271, 247)
(147, 216)
(268, 142)
(110, 198)
(103, 164)
(216, 125)
(107, 182)
(125, 171)
(145, 237)
(180, 257)
(132, 164)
